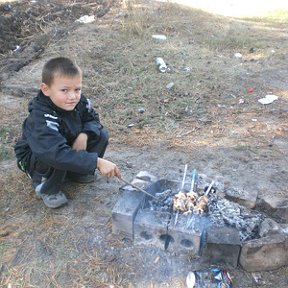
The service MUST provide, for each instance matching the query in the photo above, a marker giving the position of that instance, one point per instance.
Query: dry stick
(138, 188)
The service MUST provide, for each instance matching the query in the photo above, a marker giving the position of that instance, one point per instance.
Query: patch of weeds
(3, 248)
(6, 150)
(134, 22)
(231, 40)
(5, 153)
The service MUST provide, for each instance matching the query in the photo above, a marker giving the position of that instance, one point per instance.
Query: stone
(269, 227)
(242, 196)
(146, 176)
(275, 206)
(222, 246)
(264, 254)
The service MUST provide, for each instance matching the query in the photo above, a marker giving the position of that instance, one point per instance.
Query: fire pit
(194, 216)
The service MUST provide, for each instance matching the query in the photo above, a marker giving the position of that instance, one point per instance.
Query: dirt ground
(208, 120)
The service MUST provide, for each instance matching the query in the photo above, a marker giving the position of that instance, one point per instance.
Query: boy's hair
(60, 65)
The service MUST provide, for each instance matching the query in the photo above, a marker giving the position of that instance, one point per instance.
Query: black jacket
(49, 131)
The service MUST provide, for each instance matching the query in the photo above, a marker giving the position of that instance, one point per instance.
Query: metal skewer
(194, 174)
(138, 188)
(182, 188)
(192, 188)
(184, 177)
(209, 188)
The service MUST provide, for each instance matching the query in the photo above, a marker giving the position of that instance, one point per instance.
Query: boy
(62, 137)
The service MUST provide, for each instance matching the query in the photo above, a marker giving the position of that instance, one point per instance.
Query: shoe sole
(47, 202)
(58, 203)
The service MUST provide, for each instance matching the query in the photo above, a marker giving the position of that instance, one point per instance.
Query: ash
(224, 212)
(219, 212)
(164, 201)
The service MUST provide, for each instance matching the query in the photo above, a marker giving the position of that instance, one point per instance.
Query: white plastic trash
(159, 37)
(161, 64)
(268, 99)
(238, 55)
(170, 85)
(86, 19)
(190, 280)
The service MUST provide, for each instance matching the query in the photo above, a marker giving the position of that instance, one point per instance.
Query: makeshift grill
(187, 216)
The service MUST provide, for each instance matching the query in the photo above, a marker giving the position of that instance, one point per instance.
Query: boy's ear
(45, 89)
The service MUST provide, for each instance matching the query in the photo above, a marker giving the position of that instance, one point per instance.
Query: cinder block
(150, 228)
(186, 238)
(222, 246)
(124, 212)
(188, 241)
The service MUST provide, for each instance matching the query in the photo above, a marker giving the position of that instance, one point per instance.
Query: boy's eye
(78, 90)
(64, 90)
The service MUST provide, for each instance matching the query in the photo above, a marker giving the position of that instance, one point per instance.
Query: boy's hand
(108, 168)
(80, 143)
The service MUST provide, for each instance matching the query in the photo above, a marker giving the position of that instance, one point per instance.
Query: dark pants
(54, 178)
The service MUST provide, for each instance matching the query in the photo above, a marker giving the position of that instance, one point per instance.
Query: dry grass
(73, 247)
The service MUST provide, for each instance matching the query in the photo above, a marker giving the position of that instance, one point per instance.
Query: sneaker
(38, 190)
(54, 200)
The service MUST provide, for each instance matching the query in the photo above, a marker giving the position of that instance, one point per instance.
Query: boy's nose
(71, 95)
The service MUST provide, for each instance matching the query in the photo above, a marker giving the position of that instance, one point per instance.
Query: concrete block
(150, 228)
(267, 253)
(124, 213)
(128, 204)
(222, 246)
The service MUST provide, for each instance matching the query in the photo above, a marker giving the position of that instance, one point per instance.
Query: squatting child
(62, 137)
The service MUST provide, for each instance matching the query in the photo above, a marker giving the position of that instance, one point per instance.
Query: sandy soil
(208, 121)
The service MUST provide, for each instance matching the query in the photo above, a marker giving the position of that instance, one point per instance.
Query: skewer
(209, 188)
(193, 182)
(138, 188)
(194, 173)
(184, 177)
(190, 221)
(182, 188)
(176, 218)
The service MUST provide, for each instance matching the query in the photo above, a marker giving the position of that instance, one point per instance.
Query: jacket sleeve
(90, 118)
(47, 143)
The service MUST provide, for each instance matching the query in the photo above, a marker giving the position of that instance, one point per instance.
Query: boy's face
(64, 91)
